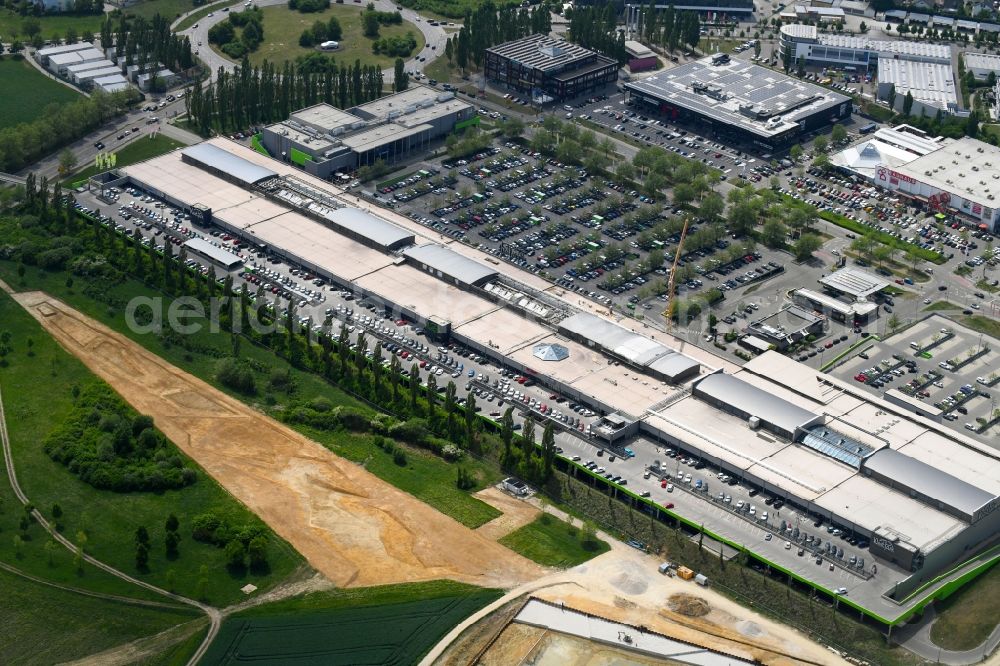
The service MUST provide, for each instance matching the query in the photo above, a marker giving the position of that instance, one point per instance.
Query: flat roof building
(931, 84)
(982, 64)
(548, 68)
(852, 52)
(323, 139)
(207, 250)
(853, 282)
(447, 264)
(740, 99)
(111, 84)
(640, 57)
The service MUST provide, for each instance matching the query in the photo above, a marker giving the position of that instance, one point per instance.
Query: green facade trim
(468, 122)
(257, 145)
(298, 157)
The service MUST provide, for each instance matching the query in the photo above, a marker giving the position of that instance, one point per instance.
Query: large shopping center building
(959, 177)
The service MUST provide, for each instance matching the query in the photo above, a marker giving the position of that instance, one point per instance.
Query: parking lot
(944, 368)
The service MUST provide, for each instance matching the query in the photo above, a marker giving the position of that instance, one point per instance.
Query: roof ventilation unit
(754, 422)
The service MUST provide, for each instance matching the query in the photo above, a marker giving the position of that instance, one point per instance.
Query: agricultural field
(393, 624)
(553, 542)
(139, 150)
(38, 381)
(86, 625)
(35, 90)
(283, 26)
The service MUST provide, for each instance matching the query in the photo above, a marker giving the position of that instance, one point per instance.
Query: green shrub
(107, 445)
(235, 375)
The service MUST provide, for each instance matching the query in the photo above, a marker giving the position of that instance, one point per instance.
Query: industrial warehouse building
(924, 495)
(640, 57)
(713, 11)
(548, 69)
(855, 53)
(740, 100)
(323, 139)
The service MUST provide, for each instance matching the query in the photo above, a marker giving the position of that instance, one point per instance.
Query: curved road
(434, 36)
(214, 616)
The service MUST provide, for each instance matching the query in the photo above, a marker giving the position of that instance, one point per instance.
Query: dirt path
(143, 649)
(351, 526)
(516, 513)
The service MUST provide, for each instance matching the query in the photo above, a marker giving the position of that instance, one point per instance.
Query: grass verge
(44, 625)
(394, 624)
(283, 26)
(553, 542)
(35, 91)
(968, 617)
(983, 324)
(138, 151)
(38, 382)
(938, 306)
(880, 236)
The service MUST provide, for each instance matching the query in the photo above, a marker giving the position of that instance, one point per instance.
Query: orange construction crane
(673, 276)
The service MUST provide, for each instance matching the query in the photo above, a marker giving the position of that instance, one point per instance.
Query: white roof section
(50, 51)
(865, 157)
(444, 261)
(216, 254)
(854, 282)
(85, 66)
(103, 72)
(800, 31)
(110, 84)
(632, 347)
(637, 49)
(382, 233)
(412, 98)
(910, 139)
(213, 157)
(912, 48)
(982, 61)
(930, 83)
(381, 135)
(323, 117)
(966, 166)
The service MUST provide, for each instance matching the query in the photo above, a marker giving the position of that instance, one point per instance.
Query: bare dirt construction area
(351, 526)
(623, 585)
(516, 513)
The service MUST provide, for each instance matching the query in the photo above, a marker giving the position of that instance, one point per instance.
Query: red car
(663, 483)
(668, 505)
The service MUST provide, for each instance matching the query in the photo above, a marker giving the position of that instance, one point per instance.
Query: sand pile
(688, 604)
(631, 579)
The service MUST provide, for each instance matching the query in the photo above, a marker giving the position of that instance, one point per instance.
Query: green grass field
(968, 617)
(382, 625)
(53, 26)
(35, 91)
(37, 394)
(283, 26)
(139, 150)
(44, 625)
(553, 542)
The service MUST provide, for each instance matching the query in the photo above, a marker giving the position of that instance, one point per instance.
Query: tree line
(489, 25)
(58, 125)
(596, 28)
(147, 42)
(669, 28)
(251, 95)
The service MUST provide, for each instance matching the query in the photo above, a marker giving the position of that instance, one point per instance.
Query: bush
(400, 47)
(235, 375)
(308, 6)
(107, 445)
(399, 457)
